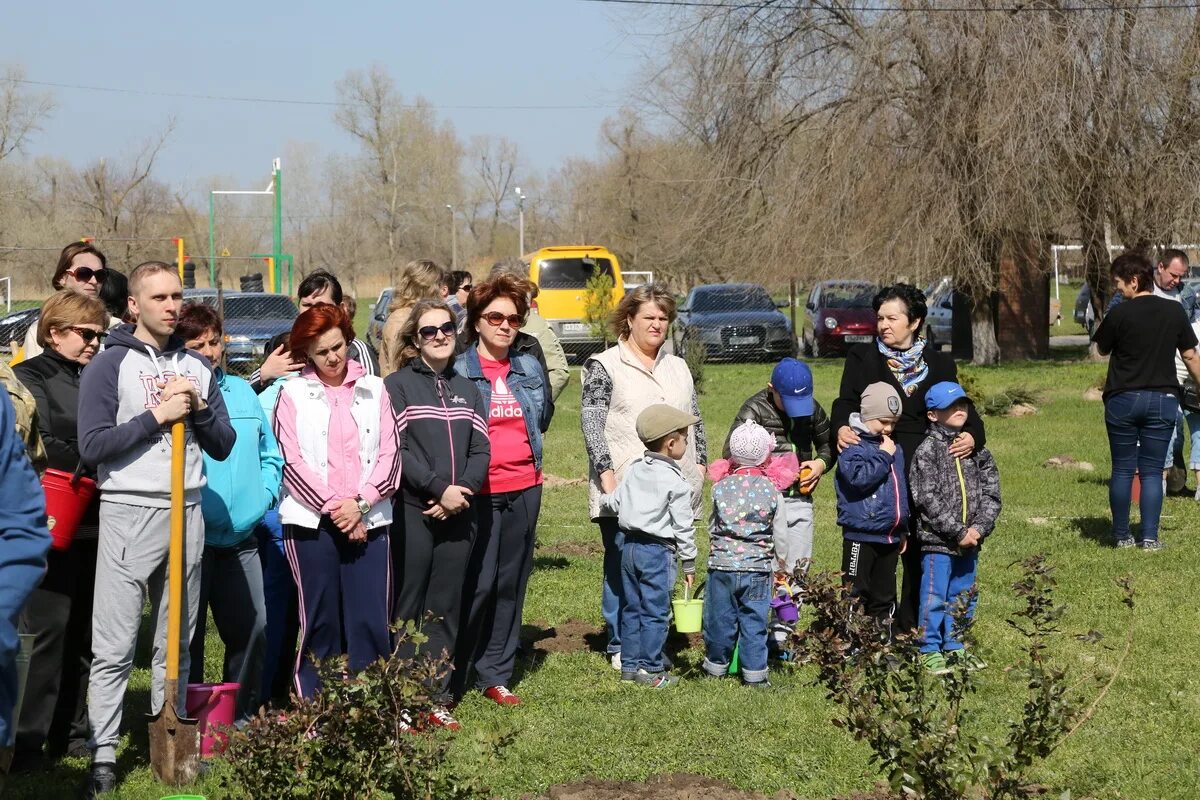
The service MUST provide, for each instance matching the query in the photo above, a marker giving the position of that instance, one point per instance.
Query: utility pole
(453, 239)
(520, 222)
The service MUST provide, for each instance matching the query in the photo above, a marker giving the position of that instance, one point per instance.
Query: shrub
(694, 353)
(353, 740)
(914, 722)
(598, 305)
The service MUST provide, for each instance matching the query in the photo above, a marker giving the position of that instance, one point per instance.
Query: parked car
(379, 315)
(251, 320)
(14, 326)
(561, 275)
(1084, 315)
(733, 321)
(939, 315)
(837, 315)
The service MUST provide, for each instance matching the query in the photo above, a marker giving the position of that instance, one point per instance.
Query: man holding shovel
(131, 394)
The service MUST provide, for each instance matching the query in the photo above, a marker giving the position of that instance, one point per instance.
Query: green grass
(577, 720)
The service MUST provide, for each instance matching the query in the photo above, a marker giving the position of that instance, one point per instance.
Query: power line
(299, 102)
(1034, 5)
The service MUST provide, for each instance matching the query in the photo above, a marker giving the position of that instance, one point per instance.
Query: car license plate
(741, 340)
(857, 339)
(575, 327)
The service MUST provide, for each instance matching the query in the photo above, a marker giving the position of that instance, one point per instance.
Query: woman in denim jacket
(514, 388)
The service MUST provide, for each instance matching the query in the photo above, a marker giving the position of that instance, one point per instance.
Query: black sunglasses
(466, 288)
(87, 334)
(85, 274)
(430, 332)
(494, 318)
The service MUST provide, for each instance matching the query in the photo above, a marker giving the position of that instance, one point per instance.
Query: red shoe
(501, 696)
(443, 719)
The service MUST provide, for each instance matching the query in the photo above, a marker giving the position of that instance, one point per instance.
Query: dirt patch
(588, 547)
(660, 787)
(556, 482)
(572, 636)
(1068, 462)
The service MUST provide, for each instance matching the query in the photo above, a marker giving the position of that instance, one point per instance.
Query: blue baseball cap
(943, 395)
(793, 380)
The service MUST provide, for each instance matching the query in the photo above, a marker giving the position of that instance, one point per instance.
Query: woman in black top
(898, 356)
(59, 612)
(1141, 393)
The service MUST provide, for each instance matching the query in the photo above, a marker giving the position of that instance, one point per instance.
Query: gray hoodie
(118, 434)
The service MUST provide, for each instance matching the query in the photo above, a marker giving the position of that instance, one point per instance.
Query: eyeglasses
(494, 318)
(87, 334)
(466, 288)
(430, 332)
(85, 274)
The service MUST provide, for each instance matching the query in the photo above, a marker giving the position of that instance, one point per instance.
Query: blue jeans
(1140, 424)
(648, 574)
(610, 597)
(736, 605)
(1193, 428)
(943, 579)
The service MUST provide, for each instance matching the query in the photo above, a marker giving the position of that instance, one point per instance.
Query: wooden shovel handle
(175, 557)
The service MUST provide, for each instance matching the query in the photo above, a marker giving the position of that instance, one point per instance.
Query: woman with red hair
(337, 432)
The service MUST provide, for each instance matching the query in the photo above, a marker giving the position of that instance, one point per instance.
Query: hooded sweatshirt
(118, 434)
(871, 489)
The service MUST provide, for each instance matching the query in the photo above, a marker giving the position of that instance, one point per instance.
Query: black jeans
(870, 569)
(59, 614)
(494, 589)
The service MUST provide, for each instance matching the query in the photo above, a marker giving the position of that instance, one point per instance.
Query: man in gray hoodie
(130, 394)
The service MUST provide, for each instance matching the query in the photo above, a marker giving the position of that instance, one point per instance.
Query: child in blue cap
(956, 502)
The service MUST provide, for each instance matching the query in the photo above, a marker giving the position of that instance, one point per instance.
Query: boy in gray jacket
(653, 504)
(957, 503)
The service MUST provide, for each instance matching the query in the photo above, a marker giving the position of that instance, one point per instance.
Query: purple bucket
(785, 608)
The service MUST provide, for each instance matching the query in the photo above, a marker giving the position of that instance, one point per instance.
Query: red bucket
(67, 498)
(214, 705)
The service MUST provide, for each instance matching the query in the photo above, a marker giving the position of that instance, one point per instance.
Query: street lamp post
(520, 222)
(453, 239)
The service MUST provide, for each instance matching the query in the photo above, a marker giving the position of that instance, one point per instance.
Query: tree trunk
(983, 332)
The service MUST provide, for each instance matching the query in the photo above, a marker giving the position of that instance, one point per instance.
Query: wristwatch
(364, 507)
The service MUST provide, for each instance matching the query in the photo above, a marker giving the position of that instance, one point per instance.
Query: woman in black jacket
(59, 612)
(445, 454)
(898, 356)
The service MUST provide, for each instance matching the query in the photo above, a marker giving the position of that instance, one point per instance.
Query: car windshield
(847, 295)
(734, 298)
(571, 273)
(263, 307)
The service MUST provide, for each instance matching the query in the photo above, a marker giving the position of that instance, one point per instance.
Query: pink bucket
(213, 704)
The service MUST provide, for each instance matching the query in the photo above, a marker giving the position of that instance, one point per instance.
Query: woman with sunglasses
(81, 269)
(59, 612)
(444, 446)
(513, 387)
(337, 433)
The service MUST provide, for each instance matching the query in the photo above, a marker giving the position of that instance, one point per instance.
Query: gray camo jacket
(949, 497)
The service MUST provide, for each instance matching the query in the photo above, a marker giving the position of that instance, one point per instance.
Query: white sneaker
(616, 661)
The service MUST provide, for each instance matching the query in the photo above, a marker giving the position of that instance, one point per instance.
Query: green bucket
(689, 612)
(734, 667)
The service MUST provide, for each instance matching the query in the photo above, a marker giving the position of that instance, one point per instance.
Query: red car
(837, 315)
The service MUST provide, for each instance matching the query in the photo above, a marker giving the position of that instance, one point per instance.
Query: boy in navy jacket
(873, 504)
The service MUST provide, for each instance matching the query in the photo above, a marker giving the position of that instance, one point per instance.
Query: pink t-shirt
(512, 468)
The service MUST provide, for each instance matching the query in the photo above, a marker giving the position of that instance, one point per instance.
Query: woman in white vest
(617, 385)
(337, 432)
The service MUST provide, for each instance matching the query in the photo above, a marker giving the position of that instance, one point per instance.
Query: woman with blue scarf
(899, 357)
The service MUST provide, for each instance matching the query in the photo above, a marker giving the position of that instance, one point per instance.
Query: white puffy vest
(312, 430)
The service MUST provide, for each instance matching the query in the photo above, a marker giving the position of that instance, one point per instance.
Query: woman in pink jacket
(337, 432)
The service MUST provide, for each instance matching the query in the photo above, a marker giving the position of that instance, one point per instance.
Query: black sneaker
(1124, 542)
(102, 780)
(763, 684)
(1151, 545)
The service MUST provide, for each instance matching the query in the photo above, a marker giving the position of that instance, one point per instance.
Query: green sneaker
(935, 663)
(965, 659)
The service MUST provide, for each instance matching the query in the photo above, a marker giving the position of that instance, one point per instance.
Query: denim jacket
(527, 381)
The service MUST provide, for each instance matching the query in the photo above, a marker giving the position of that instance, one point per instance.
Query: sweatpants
(59, 614)
(494, 587)
(235, 573)
(344, 588)
(283, 611)
(132, 563)
(945, 578)
(908, 606)
(435, 556)
(870, 570)
(796, 551)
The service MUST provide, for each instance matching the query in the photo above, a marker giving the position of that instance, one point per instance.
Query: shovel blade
(174, 746)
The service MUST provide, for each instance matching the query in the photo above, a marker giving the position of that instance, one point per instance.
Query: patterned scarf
(908, 366)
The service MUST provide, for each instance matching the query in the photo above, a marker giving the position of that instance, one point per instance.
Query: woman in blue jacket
(239, 490)
(513, 385)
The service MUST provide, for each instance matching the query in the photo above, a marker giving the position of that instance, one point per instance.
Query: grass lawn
(577, 720)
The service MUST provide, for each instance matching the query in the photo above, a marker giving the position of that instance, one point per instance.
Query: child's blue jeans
(736, 605)
(943, 579)
(647, 576)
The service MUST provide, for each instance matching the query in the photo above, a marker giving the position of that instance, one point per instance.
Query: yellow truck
(561, 274)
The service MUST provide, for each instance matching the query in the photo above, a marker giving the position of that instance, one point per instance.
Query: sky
(451, 52)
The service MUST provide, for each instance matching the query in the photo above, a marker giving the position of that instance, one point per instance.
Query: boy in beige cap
(653, 504)
(872, 497)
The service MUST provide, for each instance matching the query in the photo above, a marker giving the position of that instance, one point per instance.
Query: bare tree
(21, 112)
